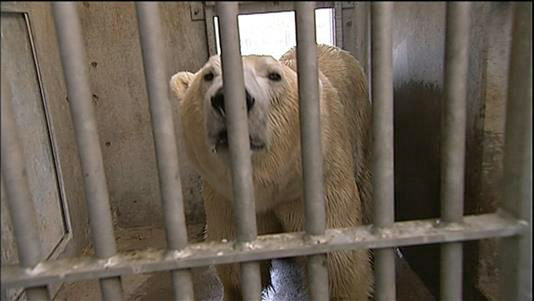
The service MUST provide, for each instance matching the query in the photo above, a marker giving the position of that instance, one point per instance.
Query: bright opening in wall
(274, 33)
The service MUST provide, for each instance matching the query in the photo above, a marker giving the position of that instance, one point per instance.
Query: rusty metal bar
(516, 259)
(19, 198)
(382, 149)
(239, 145)
(96, 191)
(312, 161)
(453, 143)
(283, 245)
(165, 140)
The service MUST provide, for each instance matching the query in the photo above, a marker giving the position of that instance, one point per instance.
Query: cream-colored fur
(277, 178)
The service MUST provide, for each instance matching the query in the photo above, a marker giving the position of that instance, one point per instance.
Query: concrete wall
(121, 106)
(120, 97)
(115, 70)
(496, 82)
(54, 89)
(418, 50)
(18, 66)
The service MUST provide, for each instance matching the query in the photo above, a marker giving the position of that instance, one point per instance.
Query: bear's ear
(180, 82)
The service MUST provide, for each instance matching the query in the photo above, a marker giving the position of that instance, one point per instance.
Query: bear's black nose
(217, 101)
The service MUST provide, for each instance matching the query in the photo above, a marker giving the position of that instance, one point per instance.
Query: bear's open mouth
(222, 142)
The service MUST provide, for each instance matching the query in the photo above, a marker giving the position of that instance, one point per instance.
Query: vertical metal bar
(96, 191)
(312, 161)
(516, 252)
(317, 271)
(454, 108)
(308, 82)
(453, 143)
(360, 29)
(238, 139)
(234, 89)
(451, 271)
(19, 199)
(164, 139)
(382, 93)
(338, 25)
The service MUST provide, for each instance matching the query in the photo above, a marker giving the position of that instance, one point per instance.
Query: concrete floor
(286, 278)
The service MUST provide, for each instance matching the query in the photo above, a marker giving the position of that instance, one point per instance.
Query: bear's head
(272, 114)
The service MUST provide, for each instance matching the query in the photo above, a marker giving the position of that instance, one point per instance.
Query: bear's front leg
(349, 272)
(229, 275)
(349, 275)
(221, 226)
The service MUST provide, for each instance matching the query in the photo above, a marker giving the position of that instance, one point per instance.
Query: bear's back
(346, 75)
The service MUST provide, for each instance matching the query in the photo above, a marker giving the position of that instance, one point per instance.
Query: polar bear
(274, 135)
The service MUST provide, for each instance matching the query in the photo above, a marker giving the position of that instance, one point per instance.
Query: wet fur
(345, 124)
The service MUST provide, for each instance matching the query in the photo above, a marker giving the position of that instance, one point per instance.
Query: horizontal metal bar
(283, 4)
(277, 4)
(265, 247)
(256, 7)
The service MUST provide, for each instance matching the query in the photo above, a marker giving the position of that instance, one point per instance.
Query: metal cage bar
(401, 234)
(360, 19)
(312, 161)
(164, 139)
(382, 148)
(96, 191)
(19, 198)
(239, 145)
(513, 222)
(516, 252)
(453, 143)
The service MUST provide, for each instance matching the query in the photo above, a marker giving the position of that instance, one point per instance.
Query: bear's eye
(275, 76)
(208, 76)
